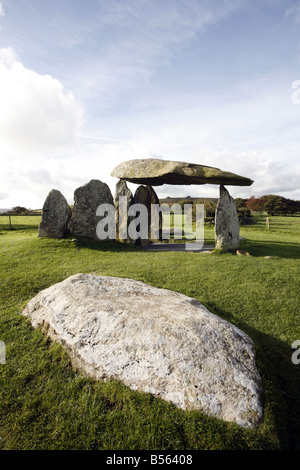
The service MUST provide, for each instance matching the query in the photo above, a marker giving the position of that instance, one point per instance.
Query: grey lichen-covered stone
(55, 216)
(147, 196)
(142, 196)
(122, 220)
(155, 214)
(87, 199)
(153, 340)
(155, 172)
(227, 227)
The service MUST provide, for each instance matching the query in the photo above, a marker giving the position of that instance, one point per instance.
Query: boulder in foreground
(153, 340)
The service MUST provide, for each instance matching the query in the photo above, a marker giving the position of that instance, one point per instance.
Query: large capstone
(156, 172)
(227, 227)
(55, 216)
(153, 340)
(87, 199)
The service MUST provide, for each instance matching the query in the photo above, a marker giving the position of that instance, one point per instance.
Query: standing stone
(227, 227)
(87, 198)
(55, 216)
(122, 219)
(147, 196)
(142, 196)
(156, 214)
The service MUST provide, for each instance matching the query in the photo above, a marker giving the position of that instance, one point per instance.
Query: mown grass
(46, 404)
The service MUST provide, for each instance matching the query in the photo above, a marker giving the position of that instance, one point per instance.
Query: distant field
(46, 404)
(19, 222)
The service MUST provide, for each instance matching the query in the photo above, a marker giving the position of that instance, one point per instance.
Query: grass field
(46, 404)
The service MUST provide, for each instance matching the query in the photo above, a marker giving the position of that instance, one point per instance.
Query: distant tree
(210, 207)
(240, 202)
(241, 208)
(293, 206)
(19, 210)
(274, 205)
(253, 204)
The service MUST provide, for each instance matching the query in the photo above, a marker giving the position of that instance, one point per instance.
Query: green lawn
(46, 404)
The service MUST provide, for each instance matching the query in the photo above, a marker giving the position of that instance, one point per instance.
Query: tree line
(270, 205)
(20, 210)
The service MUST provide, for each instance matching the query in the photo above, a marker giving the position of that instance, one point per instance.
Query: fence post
(268, 223)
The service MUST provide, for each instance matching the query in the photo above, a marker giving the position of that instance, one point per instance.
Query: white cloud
(138, 40)
(2, 12)
(36, 113)
(38, 120)
(294, 12)
(250, 129)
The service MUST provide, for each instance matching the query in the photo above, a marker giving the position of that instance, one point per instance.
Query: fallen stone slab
(155, 341)
(156, 172)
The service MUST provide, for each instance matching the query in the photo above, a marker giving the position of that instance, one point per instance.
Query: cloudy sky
(85, 85)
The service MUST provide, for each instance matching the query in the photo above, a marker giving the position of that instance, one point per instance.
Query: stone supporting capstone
(142, 196)
(122, 220)
(157, 214)
(146, 196)
(227, 227)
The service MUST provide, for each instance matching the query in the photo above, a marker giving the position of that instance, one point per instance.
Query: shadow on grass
(281, 382)
(256, 248)
(269, 248)
(17, 227)
(105, 245)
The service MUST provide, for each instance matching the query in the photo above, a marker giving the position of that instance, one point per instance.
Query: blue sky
(85, 85)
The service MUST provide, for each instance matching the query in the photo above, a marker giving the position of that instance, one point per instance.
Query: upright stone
(146, 196)
(227, 227)
(122, 206)
(142, 196)
(87, 198)
(157, 215)
(55, 216)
